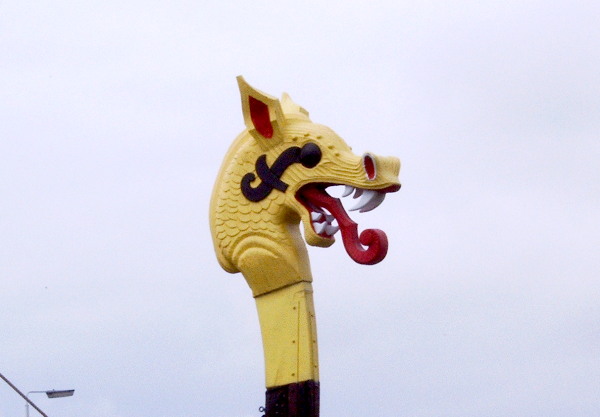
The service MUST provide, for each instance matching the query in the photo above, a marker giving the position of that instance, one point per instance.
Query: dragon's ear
(263, 114)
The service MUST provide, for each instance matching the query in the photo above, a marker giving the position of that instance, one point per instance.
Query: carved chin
(313, 239)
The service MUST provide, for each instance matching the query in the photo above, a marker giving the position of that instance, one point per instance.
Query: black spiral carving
(309, 156)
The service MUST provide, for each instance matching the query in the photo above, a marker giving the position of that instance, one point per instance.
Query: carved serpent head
(284, 164)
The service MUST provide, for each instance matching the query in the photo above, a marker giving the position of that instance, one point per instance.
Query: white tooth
(319, 227)
(365, 199)
(329, 218)
(331, 230)
(314, 216)
(373, 203)
(348, 189)
(358, 193)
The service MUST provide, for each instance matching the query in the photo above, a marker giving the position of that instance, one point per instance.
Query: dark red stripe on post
(293, 400)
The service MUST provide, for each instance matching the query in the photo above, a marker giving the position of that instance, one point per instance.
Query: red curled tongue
(375, 240)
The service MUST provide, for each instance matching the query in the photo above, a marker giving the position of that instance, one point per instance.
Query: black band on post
(293, 400)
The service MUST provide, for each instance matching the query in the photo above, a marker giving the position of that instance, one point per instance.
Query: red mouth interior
(369, 248)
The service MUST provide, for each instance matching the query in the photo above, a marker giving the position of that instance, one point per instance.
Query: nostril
(370, 167)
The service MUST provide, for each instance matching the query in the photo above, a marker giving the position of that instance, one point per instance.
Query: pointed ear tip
(247, 90)
(241, 81)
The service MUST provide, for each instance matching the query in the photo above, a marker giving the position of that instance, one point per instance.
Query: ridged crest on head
(292, 110)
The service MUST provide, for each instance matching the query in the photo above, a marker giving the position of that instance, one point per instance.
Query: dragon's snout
(376, 167)
(367, 180)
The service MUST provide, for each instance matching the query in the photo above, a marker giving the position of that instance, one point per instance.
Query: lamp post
(51, 394)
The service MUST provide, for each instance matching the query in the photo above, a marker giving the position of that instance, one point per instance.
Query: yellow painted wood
(289, 334)
(262, 240)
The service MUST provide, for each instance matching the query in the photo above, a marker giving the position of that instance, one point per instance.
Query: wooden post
(273, 178)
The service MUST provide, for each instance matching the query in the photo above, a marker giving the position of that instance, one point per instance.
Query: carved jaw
(322, 210)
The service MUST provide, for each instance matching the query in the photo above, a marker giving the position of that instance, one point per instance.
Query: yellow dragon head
(278, 171)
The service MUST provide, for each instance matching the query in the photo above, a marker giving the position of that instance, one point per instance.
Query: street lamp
(51, 394)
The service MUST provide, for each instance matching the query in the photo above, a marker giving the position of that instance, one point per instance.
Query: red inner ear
(259, 113)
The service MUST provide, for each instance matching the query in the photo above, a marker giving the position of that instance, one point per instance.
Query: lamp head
(60, 393)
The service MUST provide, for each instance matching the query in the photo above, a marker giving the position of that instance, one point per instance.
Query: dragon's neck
(272, 256)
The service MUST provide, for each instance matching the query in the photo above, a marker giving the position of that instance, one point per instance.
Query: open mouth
(371, 246)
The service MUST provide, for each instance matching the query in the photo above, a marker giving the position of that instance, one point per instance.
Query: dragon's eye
(310, 155)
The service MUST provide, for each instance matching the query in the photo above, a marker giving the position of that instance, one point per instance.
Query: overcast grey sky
(114, 118)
